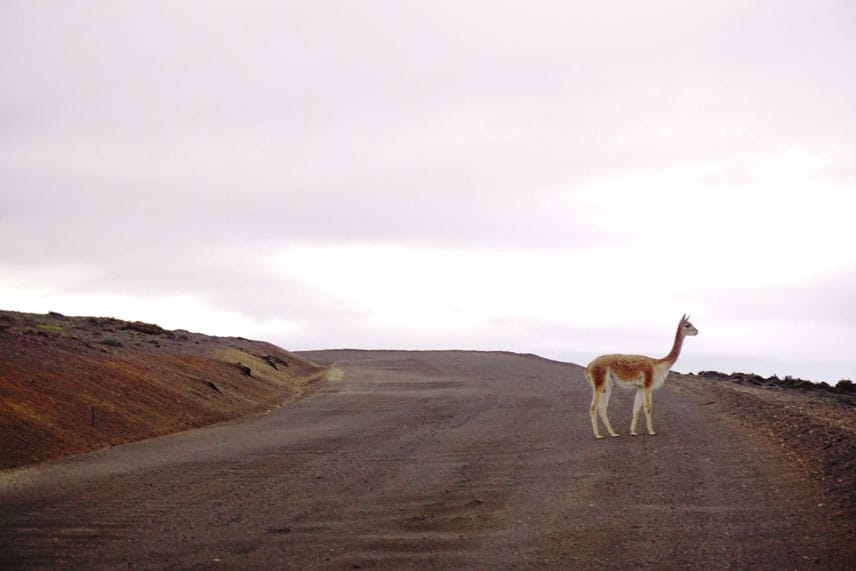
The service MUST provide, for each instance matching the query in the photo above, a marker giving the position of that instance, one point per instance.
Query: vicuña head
(644, 373)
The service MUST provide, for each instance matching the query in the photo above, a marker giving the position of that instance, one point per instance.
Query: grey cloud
(827, 299)
(169, 147)
(56, 218)
(260, 65)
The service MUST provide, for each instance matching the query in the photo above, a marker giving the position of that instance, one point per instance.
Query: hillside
(75, 384)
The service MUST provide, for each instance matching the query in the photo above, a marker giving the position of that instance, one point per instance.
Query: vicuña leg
(604, 404)
(637, 408)
(649, 411)
(595, 404)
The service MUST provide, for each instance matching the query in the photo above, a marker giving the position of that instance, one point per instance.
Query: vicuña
(644, 373)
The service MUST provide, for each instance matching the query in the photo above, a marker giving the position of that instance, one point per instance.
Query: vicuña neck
(676, 347)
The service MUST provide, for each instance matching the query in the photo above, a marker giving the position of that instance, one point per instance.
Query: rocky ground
(74, 384)
(814, 423)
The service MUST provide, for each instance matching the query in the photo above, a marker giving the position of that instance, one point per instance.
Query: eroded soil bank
(75, 384)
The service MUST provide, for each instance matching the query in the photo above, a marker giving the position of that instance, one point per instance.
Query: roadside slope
(74, 384)
(815, 426)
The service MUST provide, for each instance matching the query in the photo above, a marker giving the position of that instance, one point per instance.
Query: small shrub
(147, 328)
(111, 342)
(48, 327)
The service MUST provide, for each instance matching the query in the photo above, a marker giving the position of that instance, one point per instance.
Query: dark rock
(712, 375)
(792, 383)
(274, 361)
(213, 386)
(245, 369)
(845, 386)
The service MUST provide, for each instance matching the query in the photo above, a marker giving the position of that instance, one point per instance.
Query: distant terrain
(75, 384)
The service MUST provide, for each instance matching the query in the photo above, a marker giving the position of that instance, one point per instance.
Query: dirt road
(431, 460)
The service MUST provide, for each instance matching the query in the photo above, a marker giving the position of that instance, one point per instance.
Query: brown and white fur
(644, 373)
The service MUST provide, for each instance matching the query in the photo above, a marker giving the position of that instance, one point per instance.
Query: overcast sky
(564, 178)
